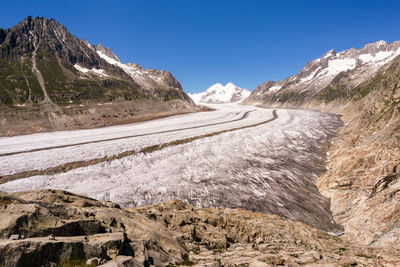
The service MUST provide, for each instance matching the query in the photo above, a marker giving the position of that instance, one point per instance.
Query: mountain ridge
(352, 67)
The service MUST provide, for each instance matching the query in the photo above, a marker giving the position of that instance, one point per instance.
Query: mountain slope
(47, 71)
(362, 179)
(218, 94)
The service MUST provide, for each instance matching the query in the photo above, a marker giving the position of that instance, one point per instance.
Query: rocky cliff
(362, 179)
(51, 80)
(57, 228)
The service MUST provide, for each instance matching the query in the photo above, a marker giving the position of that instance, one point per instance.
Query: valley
(113, 164)
(236, 156)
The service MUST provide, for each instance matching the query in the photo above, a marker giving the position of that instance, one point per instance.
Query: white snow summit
(219, 94)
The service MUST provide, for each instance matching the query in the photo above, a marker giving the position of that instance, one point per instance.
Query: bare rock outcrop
(363, 177)
(83, 228)
(235, 237)
(168, 234)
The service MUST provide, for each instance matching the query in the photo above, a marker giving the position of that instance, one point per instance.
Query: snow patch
(309, 77)
(384, 56)
(338, 65)
(136, 73)
(94, 70)
(328, 54)
(274, 88)
(108, 59)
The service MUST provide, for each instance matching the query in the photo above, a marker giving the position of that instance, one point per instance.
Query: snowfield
(268, 168)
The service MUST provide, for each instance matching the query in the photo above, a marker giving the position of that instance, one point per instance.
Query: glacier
(268, 168)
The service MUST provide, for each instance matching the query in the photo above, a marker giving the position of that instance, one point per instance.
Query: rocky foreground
(57, 228)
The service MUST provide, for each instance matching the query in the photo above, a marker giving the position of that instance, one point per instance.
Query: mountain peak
(46, 41)
(375, 45)
(220, 86)
(381, 42)
(219, 93)
(38, 22)
(216, 85)
(107, 52)
(230, 84)
(24, 36)
(27, 20)
(331, 52)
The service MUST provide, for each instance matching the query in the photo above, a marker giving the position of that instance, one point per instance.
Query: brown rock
(155, 235)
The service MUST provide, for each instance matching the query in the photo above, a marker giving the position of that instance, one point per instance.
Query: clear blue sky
(203, 42)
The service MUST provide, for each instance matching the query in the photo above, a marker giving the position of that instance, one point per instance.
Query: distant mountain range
(218, 94)
(57, 78)
(327, 78)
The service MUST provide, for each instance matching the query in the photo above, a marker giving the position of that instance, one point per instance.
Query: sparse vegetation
(5, 202)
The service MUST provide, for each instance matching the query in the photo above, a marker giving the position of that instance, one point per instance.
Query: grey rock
(41, 251)
(15, 237)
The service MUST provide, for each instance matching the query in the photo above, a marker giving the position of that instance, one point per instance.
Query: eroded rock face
(363, 177)
(231, 237)
(171, 233)
(41, 251)
(111, 231)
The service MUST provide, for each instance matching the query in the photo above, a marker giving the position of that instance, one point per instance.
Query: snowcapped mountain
(347, 68)
(218, 94)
